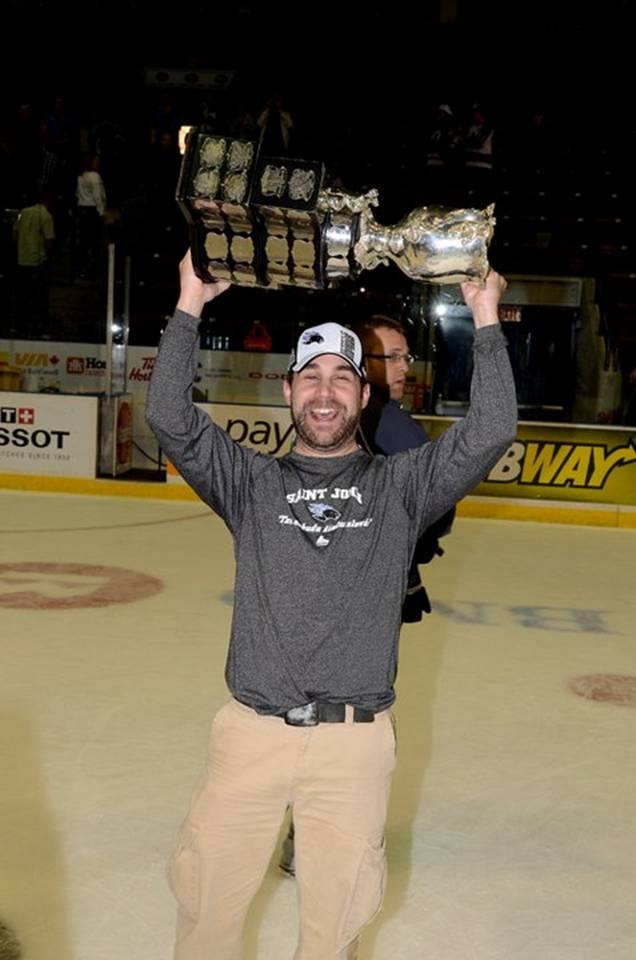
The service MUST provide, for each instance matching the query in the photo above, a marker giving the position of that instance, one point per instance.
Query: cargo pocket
(184, 872)
(368, 893)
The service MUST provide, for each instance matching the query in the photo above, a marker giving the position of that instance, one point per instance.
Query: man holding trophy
(324, 539)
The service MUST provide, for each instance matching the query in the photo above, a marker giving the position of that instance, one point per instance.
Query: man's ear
(287, 391)
(366, 393)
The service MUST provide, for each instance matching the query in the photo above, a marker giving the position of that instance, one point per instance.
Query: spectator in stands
(275, 125)
(442, 152)
(478, 157)
(34, 234)
(59, 137)
(91, 208)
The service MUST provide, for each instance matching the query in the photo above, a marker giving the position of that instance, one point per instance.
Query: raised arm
(203, 453)
(451, 466)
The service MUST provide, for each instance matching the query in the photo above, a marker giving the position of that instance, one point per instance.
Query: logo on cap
(312, 336)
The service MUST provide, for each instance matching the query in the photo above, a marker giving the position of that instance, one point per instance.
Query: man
(90, 194)
(35, 235)
(323, 541)
(386, 428)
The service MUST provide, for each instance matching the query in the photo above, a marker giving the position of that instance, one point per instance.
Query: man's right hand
(194, 292)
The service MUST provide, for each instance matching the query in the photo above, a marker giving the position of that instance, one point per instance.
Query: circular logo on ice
(62, 586)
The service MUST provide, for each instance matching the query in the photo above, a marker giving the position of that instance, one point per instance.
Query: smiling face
(389, 374)
(326, 398)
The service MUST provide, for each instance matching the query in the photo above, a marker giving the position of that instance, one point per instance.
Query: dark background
(360, 81)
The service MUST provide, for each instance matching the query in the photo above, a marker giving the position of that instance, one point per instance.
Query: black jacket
(386, 428)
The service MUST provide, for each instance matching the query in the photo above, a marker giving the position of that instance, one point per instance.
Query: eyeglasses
(407, 358)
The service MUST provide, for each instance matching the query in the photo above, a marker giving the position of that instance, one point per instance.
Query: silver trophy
(270, 222)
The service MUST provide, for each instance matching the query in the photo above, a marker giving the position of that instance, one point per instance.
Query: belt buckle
(305, 716)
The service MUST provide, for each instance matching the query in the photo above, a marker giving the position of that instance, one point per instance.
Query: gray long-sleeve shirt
(323, 544)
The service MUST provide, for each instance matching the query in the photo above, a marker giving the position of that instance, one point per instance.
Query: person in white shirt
(91, 207)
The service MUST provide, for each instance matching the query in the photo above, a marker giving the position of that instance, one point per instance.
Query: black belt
(318, 711)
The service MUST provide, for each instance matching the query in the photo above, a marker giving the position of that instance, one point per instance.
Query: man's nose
(325, 387)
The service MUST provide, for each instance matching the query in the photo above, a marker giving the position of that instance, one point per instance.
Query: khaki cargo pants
(336, 776)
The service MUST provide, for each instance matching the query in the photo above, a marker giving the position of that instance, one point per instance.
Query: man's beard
(344, 430)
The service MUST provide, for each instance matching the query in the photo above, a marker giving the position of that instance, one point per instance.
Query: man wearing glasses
(387, 356)
(386, 428)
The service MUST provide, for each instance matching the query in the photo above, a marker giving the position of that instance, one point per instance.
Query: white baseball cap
(328, 338)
